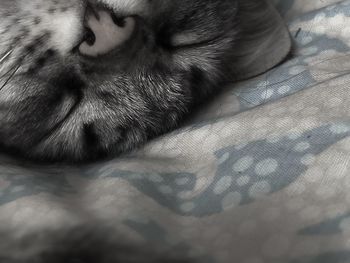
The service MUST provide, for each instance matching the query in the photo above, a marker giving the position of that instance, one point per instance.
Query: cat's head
(79, 79)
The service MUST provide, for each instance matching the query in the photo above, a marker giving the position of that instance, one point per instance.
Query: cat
(82, 80)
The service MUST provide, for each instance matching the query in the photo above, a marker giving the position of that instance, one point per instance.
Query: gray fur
(58, 105)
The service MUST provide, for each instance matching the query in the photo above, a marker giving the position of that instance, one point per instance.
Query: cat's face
(79, 79)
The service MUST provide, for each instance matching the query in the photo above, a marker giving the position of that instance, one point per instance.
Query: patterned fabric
(260, 175)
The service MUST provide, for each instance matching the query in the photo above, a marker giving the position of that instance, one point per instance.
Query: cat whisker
(9, 71)
(13, 70)
(6, 56)
(12, 74)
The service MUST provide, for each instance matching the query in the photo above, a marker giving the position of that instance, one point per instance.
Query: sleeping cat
(80, 79)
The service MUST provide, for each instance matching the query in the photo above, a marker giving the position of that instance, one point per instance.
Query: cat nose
(105, 32)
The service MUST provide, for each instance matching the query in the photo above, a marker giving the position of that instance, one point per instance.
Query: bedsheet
(261, 175)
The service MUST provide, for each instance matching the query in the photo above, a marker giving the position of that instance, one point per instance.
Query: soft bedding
(262, 174)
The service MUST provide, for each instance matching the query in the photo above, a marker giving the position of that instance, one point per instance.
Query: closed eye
(191, 40)
(184, 39)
